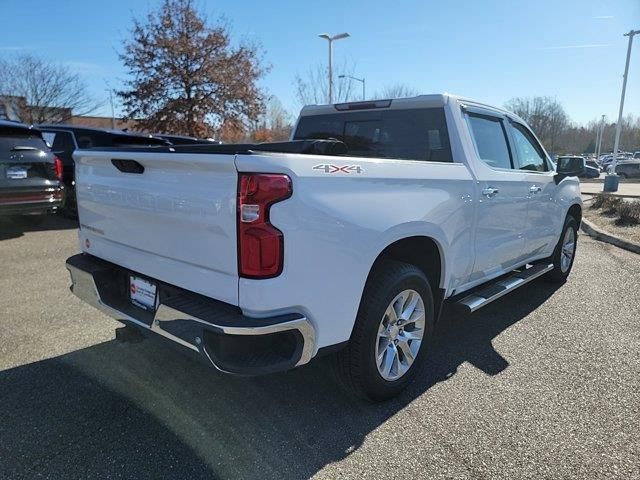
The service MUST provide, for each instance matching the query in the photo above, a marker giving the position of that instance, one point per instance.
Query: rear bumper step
(226, 339)
(500, 287)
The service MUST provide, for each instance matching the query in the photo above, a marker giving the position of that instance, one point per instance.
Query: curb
(612, 194)
(590, 229)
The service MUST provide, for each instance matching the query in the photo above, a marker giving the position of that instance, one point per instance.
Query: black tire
(356, 363)
(558, 275)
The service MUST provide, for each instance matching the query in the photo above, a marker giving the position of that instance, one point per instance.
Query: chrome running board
(497, 288)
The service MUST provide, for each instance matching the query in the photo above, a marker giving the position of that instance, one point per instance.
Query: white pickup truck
(348, 239)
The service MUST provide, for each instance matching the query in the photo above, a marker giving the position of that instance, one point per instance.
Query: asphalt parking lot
(544, 383)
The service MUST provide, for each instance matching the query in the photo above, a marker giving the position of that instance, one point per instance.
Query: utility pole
(611, 180)
(330, 39)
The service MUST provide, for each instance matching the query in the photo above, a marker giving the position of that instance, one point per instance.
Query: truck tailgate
(174, 221)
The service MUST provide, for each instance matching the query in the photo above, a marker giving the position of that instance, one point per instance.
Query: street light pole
(599, 138)
(612, 184)
(330, 39)
(361, 80)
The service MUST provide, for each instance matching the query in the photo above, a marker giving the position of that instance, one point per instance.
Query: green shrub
(628, 213)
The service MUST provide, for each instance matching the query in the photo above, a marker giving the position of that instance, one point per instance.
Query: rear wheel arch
(421, 251)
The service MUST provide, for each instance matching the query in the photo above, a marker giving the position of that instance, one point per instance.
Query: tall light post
(330, 39)
(599, 138)
(361, 80)
(611, 180)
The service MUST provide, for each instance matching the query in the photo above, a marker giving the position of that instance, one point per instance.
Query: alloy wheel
(400, 334)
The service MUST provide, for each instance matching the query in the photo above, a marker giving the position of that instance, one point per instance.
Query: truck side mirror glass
(570, 166)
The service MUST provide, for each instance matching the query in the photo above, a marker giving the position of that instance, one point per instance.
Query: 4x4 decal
(328, 168)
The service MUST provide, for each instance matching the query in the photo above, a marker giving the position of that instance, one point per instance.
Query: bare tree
(52, 92)
(185, 75)
(274, 125)
(397, 90)
(545, 115)
(276, 117)
(313, 88)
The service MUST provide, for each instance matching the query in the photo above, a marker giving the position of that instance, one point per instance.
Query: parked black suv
(30, 175)
(65, 139)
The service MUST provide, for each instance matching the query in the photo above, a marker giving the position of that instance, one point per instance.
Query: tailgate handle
(127, 166)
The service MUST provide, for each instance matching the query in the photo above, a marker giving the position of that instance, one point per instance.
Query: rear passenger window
(490, 139)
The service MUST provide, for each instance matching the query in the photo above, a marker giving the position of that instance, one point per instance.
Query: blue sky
(489, 50)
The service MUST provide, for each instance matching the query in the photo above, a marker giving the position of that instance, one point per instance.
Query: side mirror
(570, 167)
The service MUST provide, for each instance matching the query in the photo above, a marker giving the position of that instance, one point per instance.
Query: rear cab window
(409, 134)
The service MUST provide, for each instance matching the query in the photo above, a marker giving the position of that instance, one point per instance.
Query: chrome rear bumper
(219, 332)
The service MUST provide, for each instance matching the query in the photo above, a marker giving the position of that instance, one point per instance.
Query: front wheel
(565, 252)
(393, 326)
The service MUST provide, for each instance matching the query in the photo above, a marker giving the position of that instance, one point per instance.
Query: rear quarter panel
(336, 224)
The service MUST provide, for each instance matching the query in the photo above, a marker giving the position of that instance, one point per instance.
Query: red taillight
(57, 166)
(260, 244)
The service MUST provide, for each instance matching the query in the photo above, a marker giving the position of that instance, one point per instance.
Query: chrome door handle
(535, 189)
(489, 192)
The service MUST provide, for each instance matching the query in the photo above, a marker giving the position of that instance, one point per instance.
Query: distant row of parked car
(37, 167)
(627, 166)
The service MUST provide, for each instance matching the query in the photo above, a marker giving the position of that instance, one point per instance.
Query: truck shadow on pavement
(145, 411)
(16, 227)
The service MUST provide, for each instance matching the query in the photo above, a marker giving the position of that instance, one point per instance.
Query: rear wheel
(565, 252)
(393, 327)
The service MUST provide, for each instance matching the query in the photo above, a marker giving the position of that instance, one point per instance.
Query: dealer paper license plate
(143, 293)
(16, 173)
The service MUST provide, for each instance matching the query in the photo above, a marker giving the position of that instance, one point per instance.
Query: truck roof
(419, 101)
